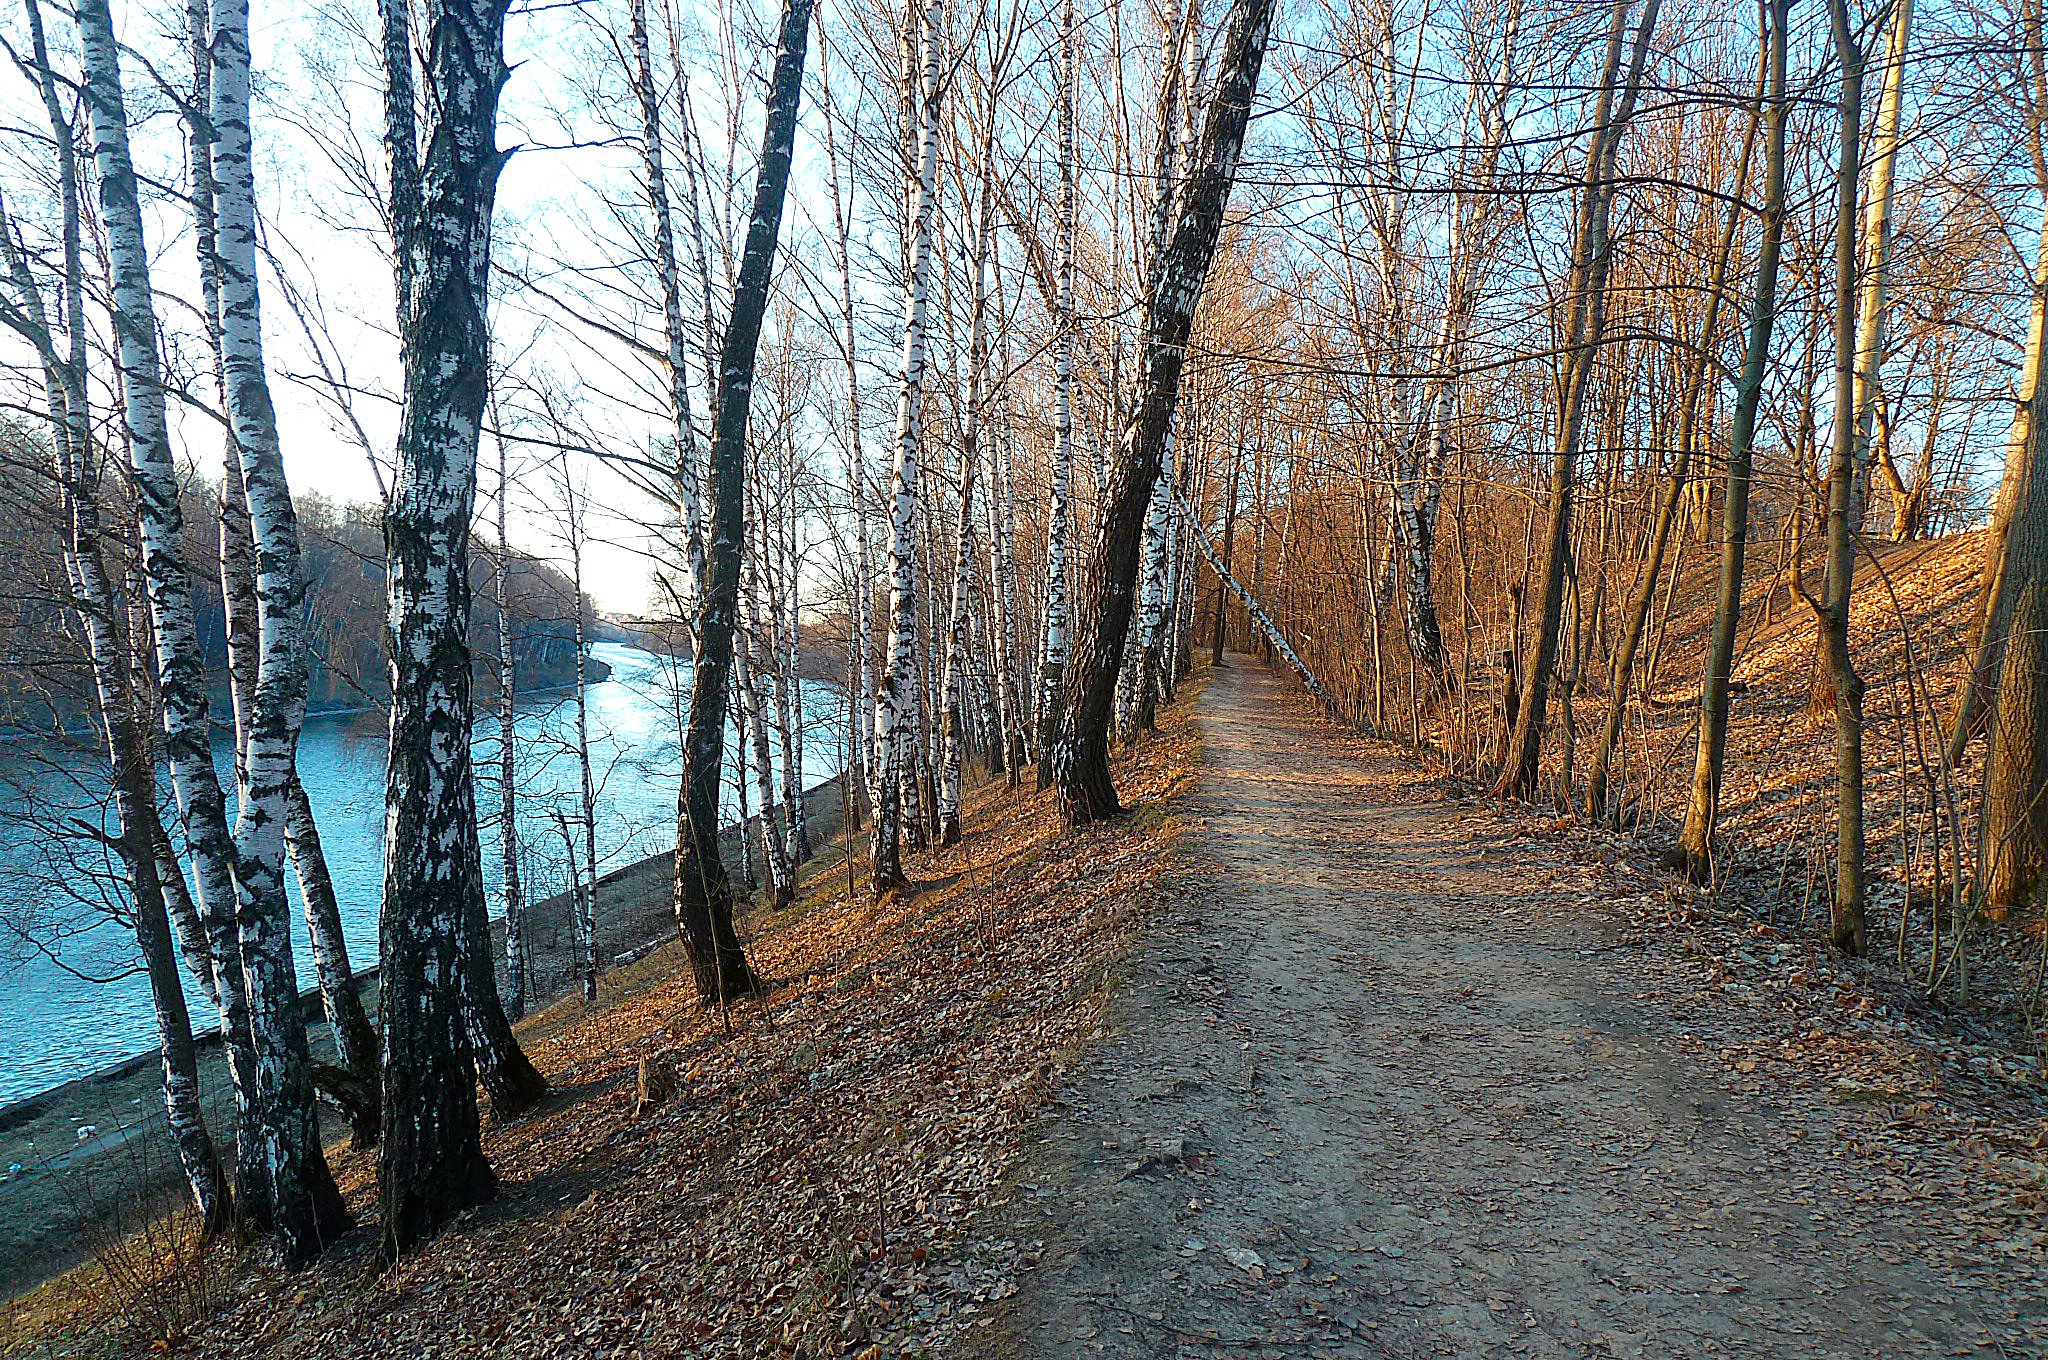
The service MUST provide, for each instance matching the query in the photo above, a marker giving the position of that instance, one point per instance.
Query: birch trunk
(1003, 571)
(1253, 609)
(675, 349)
(1081, 756)
(951, 688)
(586, 910)
(1056, 644)
(508, 758)
(897, 699)
(305, 1204)
(131, 772)
(437, 995)
(1152, 596)
(861, 661)
(181, 677)
(748, 677)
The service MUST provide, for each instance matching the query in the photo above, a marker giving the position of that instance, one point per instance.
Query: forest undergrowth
(1774, 840)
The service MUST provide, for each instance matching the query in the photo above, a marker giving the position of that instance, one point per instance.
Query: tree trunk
(181, 676)
(1846, 686)
(1696, 840)
(1622, 673)
(131, 772)
(355, 1040)
(951, 688)
(508, 758)
(2013, 833)
(689, 512)
(1218, 625)
(430, 1162)
(1058, 643)
(703, 893)
(1593, 254)
(1081, 756)
(896, 701)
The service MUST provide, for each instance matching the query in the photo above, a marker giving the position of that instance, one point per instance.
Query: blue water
(71, 997)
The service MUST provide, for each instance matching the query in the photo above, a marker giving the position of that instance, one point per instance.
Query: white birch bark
(586, 901)
(1152, 597)
(444, 1028)
(131, 772)
(746, 675)
(1010, 684)
(508, 755)
(1259, 617)
(896, 700)
(669, 279)
(1080, 758)
(305, 1203)
(861, 658)
(779, 586)
(955, 680)
(181, 677)
(1056, 644)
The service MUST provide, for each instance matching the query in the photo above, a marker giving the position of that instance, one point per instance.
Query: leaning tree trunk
(181, 674)
(703, 893)
(355, 1040)
(1593, 254)
(132, 776)
(896, 700)
(1081, 755)
(668, 275)
(1256, 612)
(1622, 673)
(1696, 840)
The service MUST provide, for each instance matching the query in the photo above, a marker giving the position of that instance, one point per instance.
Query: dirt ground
(1390, 1081)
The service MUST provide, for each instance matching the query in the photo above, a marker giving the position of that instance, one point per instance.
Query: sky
(316, 125)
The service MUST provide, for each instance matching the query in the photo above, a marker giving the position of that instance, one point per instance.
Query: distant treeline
(43, 675)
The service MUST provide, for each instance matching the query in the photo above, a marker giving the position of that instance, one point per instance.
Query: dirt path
(1374, 1093)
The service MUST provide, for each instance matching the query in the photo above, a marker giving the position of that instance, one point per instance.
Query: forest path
(1372, 1093)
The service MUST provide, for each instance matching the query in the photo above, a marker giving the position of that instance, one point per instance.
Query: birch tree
(441, 141)
(896, 693)
(181, 676)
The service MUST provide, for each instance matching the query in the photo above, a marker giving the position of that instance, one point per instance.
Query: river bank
(91, 1153)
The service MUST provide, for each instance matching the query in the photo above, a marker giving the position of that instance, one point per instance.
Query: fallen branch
(1252, 607)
